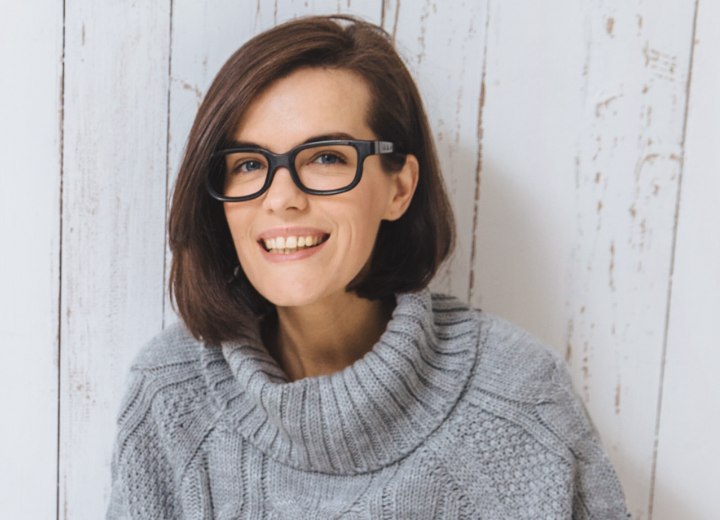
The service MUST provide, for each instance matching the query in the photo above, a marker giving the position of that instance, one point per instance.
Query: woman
(313, 375)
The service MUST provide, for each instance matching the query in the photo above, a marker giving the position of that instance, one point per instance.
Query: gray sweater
(453, 414)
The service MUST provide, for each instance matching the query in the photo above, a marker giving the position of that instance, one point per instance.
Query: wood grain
(583, 115)
(444, 46)
(687, 472)
(116, 89)
(628, 171)
(30, 184)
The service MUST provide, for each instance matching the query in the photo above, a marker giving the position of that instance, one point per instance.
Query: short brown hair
(408, 251)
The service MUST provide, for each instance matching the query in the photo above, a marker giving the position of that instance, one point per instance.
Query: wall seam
(167, 165)
(478, 164)
(668, 305)
(61, 145)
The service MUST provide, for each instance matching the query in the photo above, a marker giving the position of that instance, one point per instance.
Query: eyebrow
(323, 137)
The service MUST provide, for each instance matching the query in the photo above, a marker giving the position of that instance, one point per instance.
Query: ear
(404, 183)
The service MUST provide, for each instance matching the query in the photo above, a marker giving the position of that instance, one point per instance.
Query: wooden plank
(203, 40)
(116, 87)
(533, 108)
(443, 44)
(687, 474)
(31, 86)
(583, 125)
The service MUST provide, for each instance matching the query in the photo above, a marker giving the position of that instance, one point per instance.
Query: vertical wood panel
(30, 104)
(688, 473)
(627, 180)
(583, 120)
(443, 44)
(533, 110)
(113, 221)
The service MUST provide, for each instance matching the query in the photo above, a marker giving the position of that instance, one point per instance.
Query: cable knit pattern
(453, 414)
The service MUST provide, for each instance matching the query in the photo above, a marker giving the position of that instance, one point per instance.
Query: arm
(142, 476)
(597, 494)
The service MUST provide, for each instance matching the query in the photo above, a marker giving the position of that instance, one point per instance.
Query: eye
(248, 166)
(329, 158)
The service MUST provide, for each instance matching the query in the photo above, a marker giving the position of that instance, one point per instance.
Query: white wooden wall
(581, 146)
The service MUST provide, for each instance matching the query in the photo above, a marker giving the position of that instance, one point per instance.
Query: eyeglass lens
(323, 168)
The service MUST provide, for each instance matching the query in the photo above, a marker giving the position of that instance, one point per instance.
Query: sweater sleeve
(141, 473)
(117, 507)
(597, 490)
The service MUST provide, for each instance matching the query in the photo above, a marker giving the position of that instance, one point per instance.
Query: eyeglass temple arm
(384, 147)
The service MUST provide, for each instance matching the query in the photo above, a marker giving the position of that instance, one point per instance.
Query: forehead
(308, 102)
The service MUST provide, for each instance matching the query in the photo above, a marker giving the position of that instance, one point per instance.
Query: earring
(234, 275)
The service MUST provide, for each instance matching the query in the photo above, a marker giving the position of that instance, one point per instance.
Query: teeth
(290, 244)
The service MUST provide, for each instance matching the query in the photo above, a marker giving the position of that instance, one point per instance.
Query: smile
(287, 245)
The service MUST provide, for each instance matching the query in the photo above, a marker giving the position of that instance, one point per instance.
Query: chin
(298, 295)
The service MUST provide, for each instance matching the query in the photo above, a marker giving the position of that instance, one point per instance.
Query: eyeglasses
(318, 168)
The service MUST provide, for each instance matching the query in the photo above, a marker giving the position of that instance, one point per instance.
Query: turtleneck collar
(369, 415)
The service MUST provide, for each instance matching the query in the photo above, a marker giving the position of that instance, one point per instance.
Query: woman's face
(340, 229)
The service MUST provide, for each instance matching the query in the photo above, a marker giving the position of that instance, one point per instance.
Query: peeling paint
(602, 106)
(611, 269)
(663, 64)
(568, 344)
(609, 25)
(192, 88)
(618, 393)
(648, 158)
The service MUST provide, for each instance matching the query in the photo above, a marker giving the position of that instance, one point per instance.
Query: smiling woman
(313, 374)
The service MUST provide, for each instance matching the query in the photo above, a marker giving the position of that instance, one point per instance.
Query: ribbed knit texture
(454, 413)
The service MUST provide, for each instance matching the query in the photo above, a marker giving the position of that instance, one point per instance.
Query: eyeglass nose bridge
(281, 160)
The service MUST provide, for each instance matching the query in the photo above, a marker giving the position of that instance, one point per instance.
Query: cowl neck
(364, 417)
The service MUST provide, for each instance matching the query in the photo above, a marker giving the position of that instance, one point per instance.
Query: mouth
(287, 245)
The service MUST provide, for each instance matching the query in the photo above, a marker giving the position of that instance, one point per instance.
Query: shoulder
(165, 392)
(512, 362)
(172, 346)
(509, 361)
(522, 380)
(161, 421)
(165, 372)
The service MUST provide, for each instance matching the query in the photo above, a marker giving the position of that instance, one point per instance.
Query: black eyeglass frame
(287, 160)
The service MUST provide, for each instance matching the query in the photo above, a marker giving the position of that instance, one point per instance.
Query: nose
(283, 194)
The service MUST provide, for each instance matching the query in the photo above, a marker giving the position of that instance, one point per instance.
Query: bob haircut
(210, 292)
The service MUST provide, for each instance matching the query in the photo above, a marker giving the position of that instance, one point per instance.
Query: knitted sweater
(454, 413)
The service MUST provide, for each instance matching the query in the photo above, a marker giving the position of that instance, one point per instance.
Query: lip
(286, 232)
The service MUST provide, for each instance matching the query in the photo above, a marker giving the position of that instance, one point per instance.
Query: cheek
(364, 217)
(238, 223)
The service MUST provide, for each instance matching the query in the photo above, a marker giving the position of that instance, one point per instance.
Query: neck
(326, 337)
